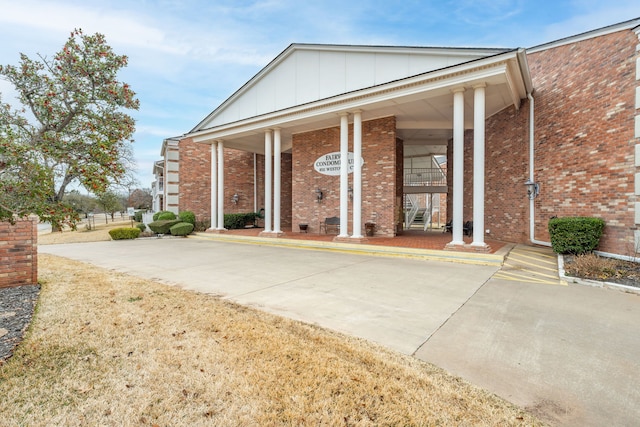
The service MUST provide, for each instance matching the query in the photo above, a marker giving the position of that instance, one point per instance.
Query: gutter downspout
(532, 209)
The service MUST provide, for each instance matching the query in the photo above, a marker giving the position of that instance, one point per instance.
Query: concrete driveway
(569, 353)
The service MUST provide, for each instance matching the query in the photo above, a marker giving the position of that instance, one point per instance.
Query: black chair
(448, 226)
(467, 228)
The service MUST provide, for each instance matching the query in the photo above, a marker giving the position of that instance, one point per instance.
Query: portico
(367, 103)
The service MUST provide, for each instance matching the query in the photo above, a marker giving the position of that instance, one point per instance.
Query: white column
(344, 175)
(357, 175)
(220, 185)
(458, 166)
(214, 185)
(478, 164)
(277, 176)
(268, 179)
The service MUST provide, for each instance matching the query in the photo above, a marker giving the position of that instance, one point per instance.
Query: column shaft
(220, 185)
(277, 176)
(344, 175)
(214, 186)
(478, 165)
(268, 179)
(458, 167)
(357, 175)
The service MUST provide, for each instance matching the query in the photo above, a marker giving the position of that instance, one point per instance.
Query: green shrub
(238, 220)
(575, 235)
(187, 216)
(162, 226)
(166, 216)
(202, 225)
(137, 216)
(142, 227)
(156, 216)
(181, 229)
(124, 233)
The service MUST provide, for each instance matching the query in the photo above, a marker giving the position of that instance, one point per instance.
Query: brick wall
(380, 202)
(18, 253)
(584, 150)
(584, 122)
(195, 181)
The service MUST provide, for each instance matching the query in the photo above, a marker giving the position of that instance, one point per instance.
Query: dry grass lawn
(109, 349)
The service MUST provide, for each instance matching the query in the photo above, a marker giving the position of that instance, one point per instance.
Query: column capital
(480, 85)
(344, 113)
(458, 89)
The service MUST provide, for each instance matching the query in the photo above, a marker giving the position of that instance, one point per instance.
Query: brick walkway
(417, 239)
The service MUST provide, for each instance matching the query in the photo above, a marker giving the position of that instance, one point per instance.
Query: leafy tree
(71, 128)
(110, 203)
(141, 198)
(80, 203)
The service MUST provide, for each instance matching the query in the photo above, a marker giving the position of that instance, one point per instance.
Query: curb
(496, 259)
(593, 283)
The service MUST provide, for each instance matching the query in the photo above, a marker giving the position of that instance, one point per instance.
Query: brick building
(363, 133)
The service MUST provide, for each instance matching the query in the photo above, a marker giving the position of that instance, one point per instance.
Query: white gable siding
(307, 75)
(360, 71)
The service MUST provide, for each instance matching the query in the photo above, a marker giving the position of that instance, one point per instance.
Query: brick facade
(18, 253)
(584, 145)
(585, 156)
(381, 184)
(195, 181)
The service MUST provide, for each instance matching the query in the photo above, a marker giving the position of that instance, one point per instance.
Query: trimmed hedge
(187, 216)
(162, 226)
(156, 216)
(575, 235)
(181, 229)
(166, 216)
(142, 227)
(137, 216)
(238, 220)
(124, 233)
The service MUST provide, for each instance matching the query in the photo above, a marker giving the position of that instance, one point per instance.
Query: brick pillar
(18, 253)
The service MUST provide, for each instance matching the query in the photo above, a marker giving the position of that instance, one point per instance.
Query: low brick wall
(18, 253)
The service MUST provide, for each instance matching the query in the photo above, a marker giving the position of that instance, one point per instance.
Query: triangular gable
(307, 73)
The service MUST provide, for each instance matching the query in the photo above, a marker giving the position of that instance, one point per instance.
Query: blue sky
(187, 56)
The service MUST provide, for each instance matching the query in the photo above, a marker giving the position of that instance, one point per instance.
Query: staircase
(418, 210)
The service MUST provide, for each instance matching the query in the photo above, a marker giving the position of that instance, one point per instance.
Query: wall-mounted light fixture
(318, 194)
(350, 193)
(235, 198)
(533, 189)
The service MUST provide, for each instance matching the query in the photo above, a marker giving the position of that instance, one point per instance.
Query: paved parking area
(567, 352)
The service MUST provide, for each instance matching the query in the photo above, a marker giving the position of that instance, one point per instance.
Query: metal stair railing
(410, 215)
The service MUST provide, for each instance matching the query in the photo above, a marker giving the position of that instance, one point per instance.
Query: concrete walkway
(567, 352)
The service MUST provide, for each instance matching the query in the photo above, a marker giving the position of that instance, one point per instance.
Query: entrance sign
(329, 164)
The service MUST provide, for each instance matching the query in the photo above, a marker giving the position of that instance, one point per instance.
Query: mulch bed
(625, 273)
(16, 309)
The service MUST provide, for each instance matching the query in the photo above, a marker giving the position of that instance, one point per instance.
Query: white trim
(434, 51)
(463, 75)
